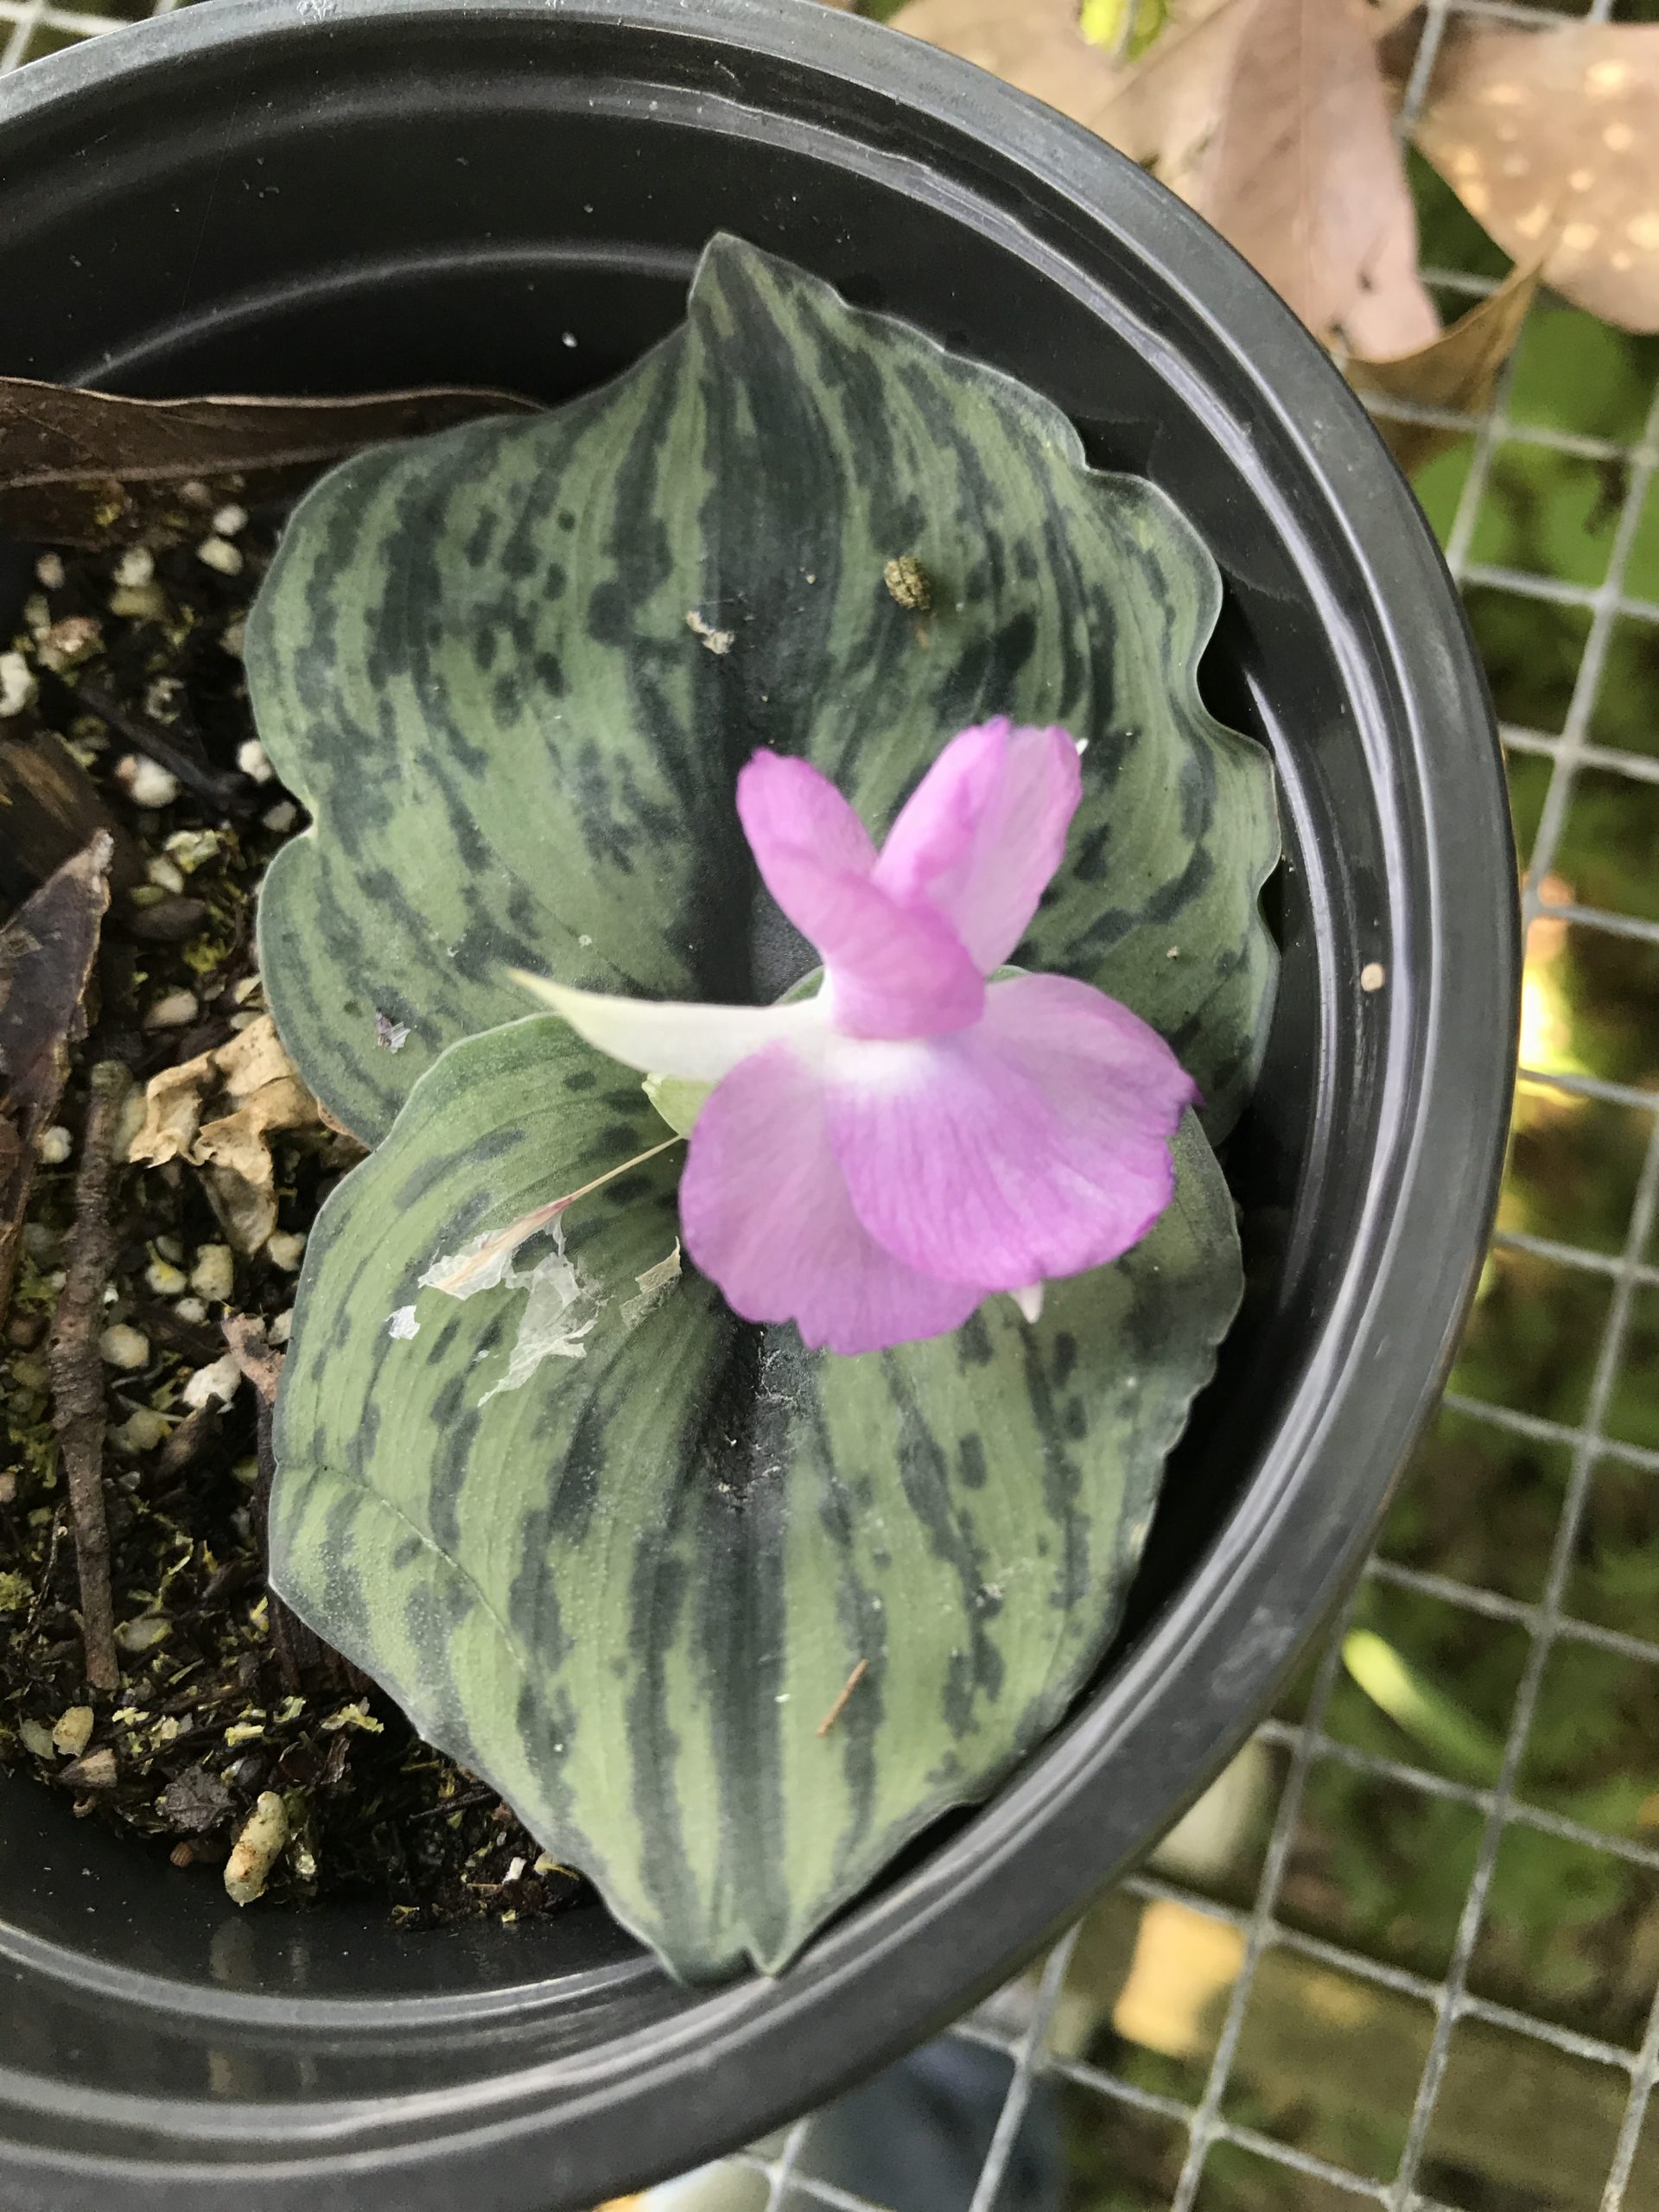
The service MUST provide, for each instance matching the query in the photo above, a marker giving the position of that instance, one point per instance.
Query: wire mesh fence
(1476, 2068)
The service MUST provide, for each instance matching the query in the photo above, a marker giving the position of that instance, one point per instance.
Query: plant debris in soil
(234, 1742)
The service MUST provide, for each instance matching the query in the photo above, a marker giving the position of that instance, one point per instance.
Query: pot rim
(989, 1895)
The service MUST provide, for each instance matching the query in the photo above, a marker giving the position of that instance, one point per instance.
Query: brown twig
(78, 1371)
(846, 1689)
(230, 793)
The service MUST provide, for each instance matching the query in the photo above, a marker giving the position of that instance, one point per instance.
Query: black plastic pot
(345, 193)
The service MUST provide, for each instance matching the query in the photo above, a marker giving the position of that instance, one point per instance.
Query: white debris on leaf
(547, 1328)
(402, 1325)
(1030, 1302)
(717, 641)
(454, 1274)
(392, 1035)
(654, 1284)
(559, 1310)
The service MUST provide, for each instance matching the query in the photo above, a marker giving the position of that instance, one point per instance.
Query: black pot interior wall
(445, 219)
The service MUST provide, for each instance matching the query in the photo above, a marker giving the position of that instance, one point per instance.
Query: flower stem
(516, 1233)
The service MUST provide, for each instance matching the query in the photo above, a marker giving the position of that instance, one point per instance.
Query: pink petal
(765, 1215)
(983, 832)
(894, 970)
(1034, 1144)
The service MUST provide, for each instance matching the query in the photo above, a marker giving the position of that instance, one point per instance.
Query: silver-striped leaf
(632, 1590)
(514, 670)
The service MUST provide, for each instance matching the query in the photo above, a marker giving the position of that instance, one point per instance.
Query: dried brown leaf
(258, 1360)
(1389, 16)
(1553, 132)
(1167, 114)
(1033, 45)
(1455, 371)
(219, 1111)
(91, 468)
(52, 810)
(47, 952)
(1304, 175)
(1270, 117)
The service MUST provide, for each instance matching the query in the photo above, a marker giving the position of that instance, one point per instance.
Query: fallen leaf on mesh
(1037, 47)
(1303, 175)
(1269, 116)
(1554, 133)
(1387, 17)
(92, 468)
(1166, 113)
(219, 1111)
(1455, 371)
(46, 951)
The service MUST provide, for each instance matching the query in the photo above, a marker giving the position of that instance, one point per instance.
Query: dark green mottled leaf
(514, 670)
(630, 1591)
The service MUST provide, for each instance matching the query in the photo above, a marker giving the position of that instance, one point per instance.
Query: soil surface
(122, 706)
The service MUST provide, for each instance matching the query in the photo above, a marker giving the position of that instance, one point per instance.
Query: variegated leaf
(632, 1587)
(513, 671)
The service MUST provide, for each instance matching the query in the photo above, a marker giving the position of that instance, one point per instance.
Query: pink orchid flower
(874, 1161)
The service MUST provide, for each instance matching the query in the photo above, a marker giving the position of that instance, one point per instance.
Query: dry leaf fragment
(52, 810)
(1456, 371)
(91, 468)
(1155, 113)
(1037, 46)
(219, 1112)
(253, 1354)
(1304, 175)
(1269, 116)
(46, 951)
(1554, 131)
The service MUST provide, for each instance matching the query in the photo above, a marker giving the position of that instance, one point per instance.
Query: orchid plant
(737, 1505)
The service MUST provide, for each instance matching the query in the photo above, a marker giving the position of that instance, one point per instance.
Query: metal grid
(1546, 1622)
(31, 27)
